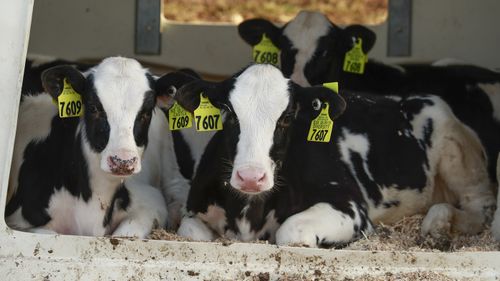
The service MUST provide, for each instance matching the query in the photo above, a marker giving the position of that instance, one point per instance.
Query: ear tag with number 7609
(207, 116)
(266, 52)
(69, 102)
(179, 118)
(355, 59)
(321, 126)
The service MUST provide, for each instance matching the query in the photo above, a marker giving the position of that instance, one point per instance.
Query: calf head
(118, 97)
(312, 47)
(260, 106)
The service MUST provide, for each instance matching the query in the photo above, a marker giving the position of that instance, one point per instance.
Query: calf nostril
(262, 179)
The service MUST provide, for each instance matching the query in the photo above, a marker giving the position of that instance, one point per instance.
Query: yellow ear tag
(179, 118)
(334, 86)
(69, 102)
(266, 52)
(207, 116)
(355, 59)
(321, 126)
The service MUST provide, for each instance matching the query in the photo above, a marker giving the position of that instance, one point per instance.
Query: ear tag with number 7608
(207, 116)
(266, 52)
(355, 59)
(69, 102)
(321, 126)
(179, 118)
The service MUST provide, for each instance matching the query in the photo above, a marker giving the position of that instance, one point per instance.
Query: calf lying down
(259, 178)
(82, 175)
(314, 50)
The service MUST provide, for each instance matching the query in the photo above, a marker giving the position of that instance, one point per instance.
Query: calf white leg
(147, 210)
(194, 228)
(465, 183)
(322, 224)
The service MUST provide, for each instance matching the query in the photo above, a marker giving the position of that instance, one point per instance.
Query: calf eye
(316, 104)
(171, 90)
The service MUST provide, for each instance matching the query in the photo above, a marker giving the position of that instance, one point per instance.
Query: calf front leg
(147, 210)
(322, 225)
(193, 228)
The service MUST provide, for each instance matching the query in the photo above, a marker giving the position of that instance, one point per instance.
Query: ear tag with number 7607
(179, 118)
(207, 116)
(321, 126)
(266, 52)
(355, 59)
(69, 102)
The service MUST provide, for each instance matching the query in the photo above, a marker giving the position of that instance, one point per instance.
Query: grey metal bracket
(147, 27)
(399, 35)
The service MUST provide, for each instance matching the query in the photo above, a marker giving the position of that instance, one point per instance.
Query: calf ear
(352, 32)
(52, 80)
(252, 30)
(167, 86)
(188, 96)
(305, 97)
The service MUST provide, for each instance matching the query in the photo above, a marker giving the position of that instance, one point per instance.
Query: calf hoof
(132, 228)
(437, 222)
(296, 235)
(195, 229)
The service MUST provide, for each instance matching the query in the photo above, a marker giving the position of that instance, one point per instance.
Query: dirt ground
(235, 11)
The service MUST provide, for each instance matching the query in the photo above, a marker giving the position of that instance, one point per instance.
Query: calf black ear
(358, 31)
(305, 97)
(252, 30)
(167, 86)
(188, 96)
(52, 80)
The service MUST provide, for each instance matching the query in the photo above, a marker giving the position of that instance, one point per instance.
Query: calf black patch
(325, 55)
(143, 119)
(414, 106)
(369, 185)
(96, 121)
(428, 130)
(120, 201)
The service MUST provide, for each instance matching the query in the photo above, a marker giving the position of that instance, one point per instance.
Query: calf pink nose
(251, 179)
(120, 166)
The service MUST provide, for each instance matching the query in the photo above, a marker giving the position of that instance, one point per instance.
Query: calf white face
(124, 98)
(259, 98)
(118, 97)
(260, 105)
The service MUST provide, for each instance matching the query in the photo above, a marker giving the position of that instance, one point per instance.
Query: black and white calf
(68, 175)
(313, 51)
(259, 178)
